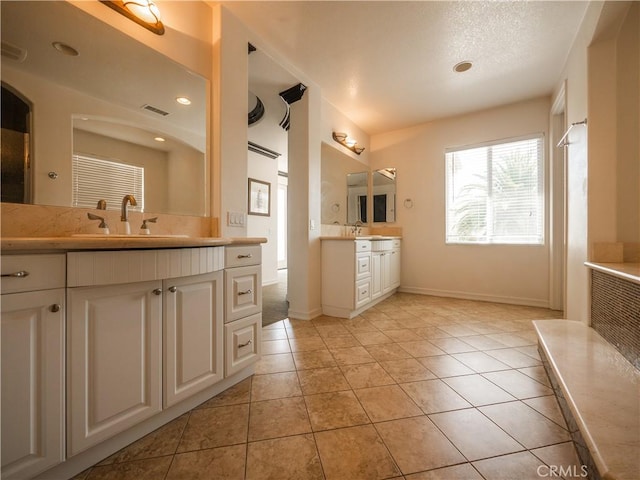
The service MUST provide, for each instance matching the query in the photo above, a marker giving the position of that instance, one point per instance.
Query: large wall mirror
(115, 101)
(344, 188)
(384, 195)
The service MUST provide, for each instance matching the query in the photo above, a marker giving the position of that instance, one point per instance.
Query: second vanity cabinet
(358, 273)
(137, 318)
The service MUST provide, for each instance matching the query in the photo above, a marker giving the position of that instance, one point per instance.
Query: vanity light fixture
(346, 141)
(143, 12)
(183, 100)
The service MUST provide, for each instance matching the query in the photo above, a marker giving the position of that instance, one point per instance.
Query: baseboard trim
(310, 315)
(528, 302)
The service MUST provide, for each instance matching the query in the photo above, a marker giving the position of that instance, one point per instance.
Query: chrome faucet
(357, 227)
(124, 214)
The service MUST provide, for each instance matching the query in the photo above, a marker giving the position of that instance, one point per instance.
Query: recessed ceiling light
(65, 49)
(183, 101)
(462, 66)
(159, 139)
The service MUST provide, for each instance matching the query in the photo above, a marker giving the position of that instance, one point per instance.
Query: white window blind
(495, 193)
(95, 179)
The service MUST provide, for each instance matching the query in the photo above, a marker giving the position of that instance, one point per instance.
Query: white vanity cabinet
(32, 332)
(243, 306)
(357, 274)
(119, 302)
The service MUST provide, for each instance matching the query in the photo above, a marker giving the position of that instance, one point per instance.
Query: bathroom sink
(120, 236)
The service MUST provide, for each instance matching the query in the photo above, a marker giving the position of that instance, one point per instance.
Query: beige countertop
(626, 271)
(360, 237)
(61, 244)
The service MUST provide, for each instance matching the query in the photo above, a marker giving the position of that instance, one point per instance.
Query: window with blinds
(96, 178)
(495, 193)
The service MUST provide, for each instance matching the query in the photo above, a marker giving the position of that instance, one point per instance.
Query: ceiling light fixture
(183, 101)
(159, 139)
(65, 49)
(462, 66)
(346, 141)
(143, 12)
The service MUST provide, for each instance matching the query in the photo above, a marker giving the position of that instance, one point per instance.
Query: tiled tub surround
(615, 307)
(417, 387)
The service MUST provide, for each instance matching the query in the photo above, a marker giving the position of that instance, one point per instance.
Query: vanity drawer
(243, 341)
(26, 273)
(363, 265)
(363, 245)
(363, 292)
(243, 292)
(242, 255)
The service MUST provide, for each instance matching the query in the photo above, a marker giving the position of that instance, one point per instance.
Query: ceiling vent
(12, 52)
(156, 110)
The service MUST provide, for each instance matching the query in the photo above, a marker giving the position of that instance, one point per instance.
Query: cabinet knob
(173, 289)
(157, 291)
(55, 308)
(20, 274)
(248, 255)
(246, 344)
(246, 292)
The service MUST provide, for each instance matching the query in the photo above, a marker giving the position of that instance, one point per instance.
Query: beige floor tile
(414, 322)
(359, 324)
(548, 406)
(512, 339)
(306, 344)
(302, 332)
(335, 410)
(322, 380)
(228, 463)
(275, 385)
(434, 396)
(275, 346)
(342, 341)
(457, 472)
(277, 363)
(274, 334)
(351, 356)
(147, 469)
(477, 390)
(366, 375)
(518, 384)
(416, 444)
(387, 403)
(407, 370)
(531, 350)
(485, 328)
(387, 351)
(527, 426)
(474, 434)
(403, 335)
(480, 362)
(522, 466)
(279, 325)
(291, 458)
(445, 366)
(239, 393)
(513, 358)
(537, 373)
(313, 359)
(334, 330)
(421, 348)
(386, 324)
(355, 453)
(372, 338)
(215, 427)
(161, 442)
(431, 332)
(483, 342)
(278, 418)
(458, 330)
(562, 457)
(452, 345)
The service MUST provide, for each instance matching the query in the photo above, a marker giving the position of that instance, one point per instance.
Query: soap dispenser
(144, 228)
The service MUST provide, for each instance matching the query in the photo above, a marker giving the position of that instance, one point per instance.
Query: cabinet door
(32, 331)
(114, 344)
(243, 342)
(243, 292)
(394, 268)
(192, 337)
(376, 275)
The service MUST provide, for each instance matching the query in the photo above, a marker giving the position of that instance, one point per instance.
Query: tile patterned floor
(418, 387)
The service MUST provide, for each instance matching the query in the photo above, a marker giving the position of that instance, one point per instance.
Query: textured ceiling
(389, 65)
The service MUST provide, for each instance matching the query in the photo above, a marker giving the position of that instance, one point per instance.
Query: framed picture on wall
(259, 198)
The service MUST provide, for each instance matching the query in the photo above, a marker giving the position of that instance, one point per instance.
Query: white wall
(511, 274)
